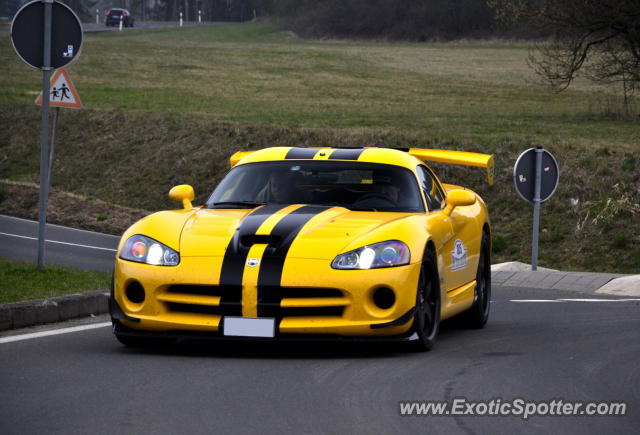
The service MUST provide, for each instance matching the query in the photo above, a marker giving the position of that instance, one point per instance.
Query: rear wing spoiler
(237, 156)
(457, 158)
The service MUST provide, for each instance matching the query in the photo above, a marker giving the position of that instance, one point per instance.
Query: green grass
(253, 74)
(21, 281)
(167, 107)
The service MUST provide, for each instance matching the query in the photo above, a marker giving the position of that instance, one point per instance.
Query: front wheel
(427, 316)
(477, 316)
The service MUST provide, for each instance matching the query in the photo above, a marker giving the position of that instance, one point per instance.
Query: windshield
(356, 186)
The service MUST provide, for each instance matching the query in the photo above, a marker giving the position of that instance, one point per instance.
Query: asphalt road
(99, 28)
(86, 382)
(64, 246)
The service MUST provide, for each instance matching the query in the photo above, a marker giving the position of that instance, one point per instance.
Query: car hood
(313, 232)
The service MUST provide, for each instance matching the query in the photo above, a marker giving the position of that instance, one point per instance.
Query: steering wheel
(373, 197)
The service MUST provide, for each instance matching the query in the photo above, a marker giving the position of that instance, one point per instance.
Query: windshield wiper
(235, 204)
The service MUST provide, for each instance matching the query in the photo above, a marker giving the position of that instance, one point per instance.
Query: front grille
(282, 302)
(194, 308)
(184, 299)
(280, 312)
(275, 302)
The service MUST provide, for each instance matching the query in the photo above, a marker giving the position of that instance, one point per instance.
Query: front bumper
(313, 299)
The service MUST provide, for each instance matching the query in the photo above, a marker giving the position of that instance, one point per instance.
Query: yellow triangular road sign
(62, 93)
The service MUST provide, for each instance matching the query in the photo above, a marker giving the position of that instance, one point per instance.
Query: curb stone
(28, 313)
(516, 274)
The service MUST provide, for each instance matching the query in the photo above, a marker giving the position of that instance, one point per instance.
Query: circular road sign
(524, 175)
(27, 34)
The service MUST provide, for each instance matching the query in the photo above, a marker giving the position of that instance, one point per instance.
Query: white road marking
(59, 243)
(598, 300)
(534, 300)
(573, 300)
(35, 223)
(32, 335)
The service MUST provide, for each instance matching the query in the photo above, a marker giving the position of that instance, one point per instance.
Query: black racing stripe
(287, 230)
(301, 153)
(345, 154)
(235, 256)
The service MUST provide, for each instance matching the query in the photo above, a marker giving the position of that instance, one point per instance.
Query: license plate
(263, 327)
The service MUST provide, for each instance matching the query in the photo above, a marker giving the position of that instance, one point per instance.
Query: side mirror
(183, 193)
(456, 198)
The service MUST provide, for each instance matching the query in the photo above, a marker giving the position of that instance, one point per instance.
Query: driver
(282, 189)
(389, 190)
(384, 185)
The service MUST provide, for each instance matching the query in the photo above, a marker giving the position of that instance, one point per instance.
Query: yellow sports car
(303, 243)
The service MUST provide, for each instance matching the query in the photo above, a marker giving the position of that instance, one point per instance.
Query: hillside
(168, 107)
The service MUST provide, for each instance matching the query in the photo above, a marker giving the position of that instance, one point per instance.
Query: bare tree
(83, 8)
(599, 38)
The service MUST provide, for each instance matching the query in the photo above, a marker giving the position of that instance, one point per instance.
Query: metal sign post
(536, 210)
(44, 136)
(536, 175)
(52, 152)
(45, 34)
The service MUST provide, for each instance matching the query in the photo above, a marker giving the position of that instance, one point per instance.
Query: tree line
(169, 10)
(416, 20)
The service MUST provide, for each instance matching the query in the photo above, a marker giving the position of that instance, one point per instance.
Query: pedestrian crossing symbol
(62, 93)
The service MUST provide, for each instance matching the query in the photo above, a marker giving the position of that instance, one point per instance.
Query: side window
(432, 192)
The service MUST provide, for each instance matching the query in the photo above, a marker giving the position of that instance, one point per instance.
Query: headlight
(383, 254)
(142, 249)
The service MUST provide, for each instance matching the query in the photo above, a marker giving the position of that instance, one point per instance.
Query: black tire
(476, 317)
(144, 342)
(427, 317)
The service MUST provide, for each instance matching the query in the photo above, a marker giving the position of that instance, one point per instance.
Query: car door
(450, 233)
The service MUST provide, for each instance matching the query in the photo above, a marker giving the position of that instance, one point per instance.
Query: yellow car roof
(407, 158)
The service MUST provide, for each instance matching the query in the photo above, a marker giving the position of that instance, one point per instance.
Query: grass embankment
(23, 281)
(167, 107)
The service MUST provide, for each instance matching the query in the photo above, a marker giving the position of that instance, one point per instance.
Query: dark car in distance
(114, 15)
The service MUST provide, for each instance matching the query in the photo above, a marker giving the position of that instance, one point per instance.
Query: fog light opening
(135, 292)
(384, 298)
